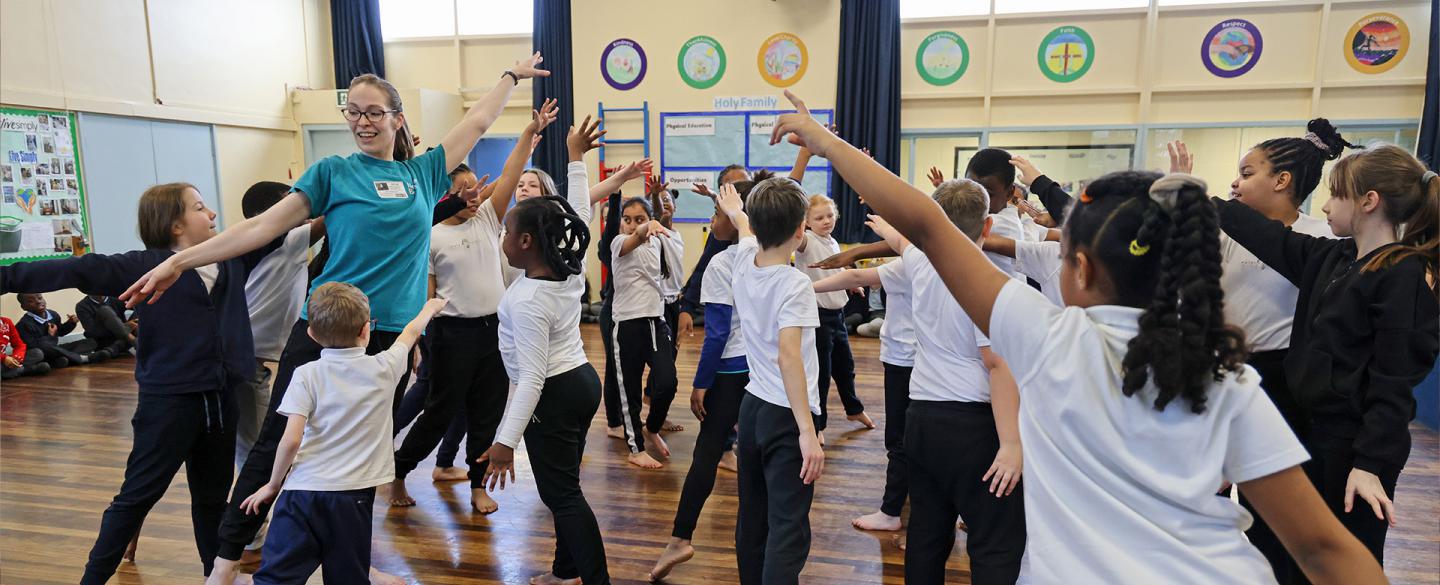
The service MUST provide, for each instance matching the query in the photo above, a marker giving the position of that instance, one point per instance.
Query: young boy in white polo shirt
(779, 451)
(339, 440)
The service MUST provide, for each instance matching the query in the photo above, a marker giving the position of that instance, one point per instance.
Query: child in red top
(15, 361)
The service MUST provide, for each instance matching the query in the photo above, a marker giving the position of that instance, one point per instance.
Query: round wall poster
(1231, 48)
(782, 59)
(942, 58)
(702, 62)
(1066, 54)
(623, 64)
(1377, 43)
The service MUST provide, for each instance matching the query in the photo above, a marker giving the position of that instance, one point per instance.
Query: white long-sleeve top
(540, 328)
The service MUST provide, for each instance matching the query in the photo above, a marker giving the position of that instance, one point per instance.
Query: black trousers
(1271, 367)
(639, 343)
(195, 429)
(950, 446)
(672, 320)
(722, 411)
(1331, 459)
(239, 529)
(772, 529)
(897, 402)
(74, 352)
(832, 347)
(115, 337)
(614, 417)
(319, 530)
(555, 440)
(414, 402)
(466, 376)
(33, 358)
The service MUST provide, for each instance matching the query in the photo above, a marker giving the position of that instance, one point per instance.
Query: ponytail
(558, 231)
(1411, 194)
(1158, 240)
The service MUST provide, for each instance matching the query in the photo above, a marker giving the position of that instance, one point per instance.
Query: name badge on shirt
(391, 189)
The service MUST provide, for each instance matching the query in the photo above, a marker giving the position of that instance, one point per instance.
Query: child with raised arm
(336, 446)
(556, 391)
(1126, 444)
(779, 451)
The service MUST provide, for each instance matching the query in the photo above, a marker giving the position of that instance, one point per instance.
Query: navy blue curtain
(867, 99)
(355, 34)
(552, 39)
(1429, 148)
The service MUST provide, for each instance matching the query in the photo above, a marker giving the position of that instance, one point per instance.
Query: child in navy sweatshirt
(190, 358)
(42, 329)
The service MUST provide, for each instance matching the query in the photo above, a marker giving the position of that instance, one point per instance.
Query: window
(1020, 6)
(408, 19)
(942, 8)
(1070, 158)
(1207, 2)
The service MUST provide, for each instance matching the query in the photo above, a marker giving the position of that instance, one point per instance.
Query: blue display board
(696, 146)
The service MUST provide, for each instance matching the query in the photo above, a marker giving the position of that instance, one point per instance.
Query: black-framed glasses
(374, 116)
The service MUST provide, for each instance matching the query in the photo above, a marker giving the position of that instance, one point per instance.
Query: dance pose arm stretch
(462, 138)
(515, 163)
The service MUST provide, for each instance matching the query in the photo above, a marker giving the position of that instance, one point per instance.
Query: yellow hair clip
(1138, 250)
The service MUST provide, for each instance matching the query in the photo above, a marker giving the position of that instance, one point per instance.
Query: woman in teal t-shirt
(377, 206)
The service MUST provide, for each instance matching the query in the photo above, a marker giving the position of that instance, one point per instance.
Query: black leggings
(897, 401)
(832, 347)
(614, 417)
(1271, 367)
(555, 440)
(239, 528)
(722, 411)
(414, 402)
(196, 429)
(1331, 460)
(467, 379)
(639, 343)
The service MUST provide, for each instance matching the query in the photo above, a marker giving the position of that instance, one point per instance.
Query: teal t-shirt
(377, 218)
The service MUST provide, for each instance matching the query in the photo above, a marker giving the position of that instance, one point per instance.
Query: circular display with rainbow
(1232, 48)
(782, 59)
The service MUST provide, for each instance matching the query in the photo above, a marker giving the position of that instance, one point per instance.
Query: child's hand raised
(802, 129)
(637, 169)
(583, 138)
(703, 190)
(474, 191)
(729, 201)
(262, 496)
(544, 116)
(881, 227)
(1181, 161)
(530, 67)
(936, 177)
(501, 460)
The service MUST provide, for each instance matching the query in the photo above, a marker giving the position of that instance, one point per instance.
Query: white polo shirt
(1007, 224)
(817, 249)
(1116, 491)
(670, 286)
(465, 260)
(275, 293)
(1040, 261)
(948, 365)
(637, 279)
(1257, 299)
(716, 287)
(346, 398)
(897, 332)
(767, 300)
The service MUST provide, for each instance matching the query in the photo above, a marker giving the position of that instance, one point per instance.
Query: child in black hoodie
(189, 359)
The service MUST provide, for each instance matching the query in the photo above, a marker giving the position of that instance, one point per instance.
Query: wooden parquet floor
(64, 439)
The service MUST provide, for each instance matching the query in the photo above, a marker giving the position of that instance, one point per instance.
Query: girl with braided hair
(556, 391)
(1366, 328)
(1135, 401)
(1274, 178)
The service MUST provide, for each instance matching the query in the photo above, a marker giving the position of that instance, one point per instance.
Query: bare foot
(481, 502)
(449, 474)
(249, 558)
(224, 572)
(615, 433)
(399, 496)
(962, 527)
(898, 541)
(244, 579)
(643, 460)
(551, 579)
(877, 521)
(678, 551)
(729, 463)
(130, 548)
(670, 427)
(659, 442)
(863, 419)
(378, 577)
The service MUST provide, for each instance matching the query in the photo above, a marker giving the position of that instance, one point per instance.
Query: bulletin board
(44, 210)
(696, 146)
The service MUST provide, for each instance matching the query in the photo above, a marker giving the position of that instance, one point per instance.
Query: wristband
(512, 75)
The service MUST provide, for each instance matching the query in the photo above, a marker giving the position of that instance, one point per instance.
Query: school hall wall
(203, 61)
